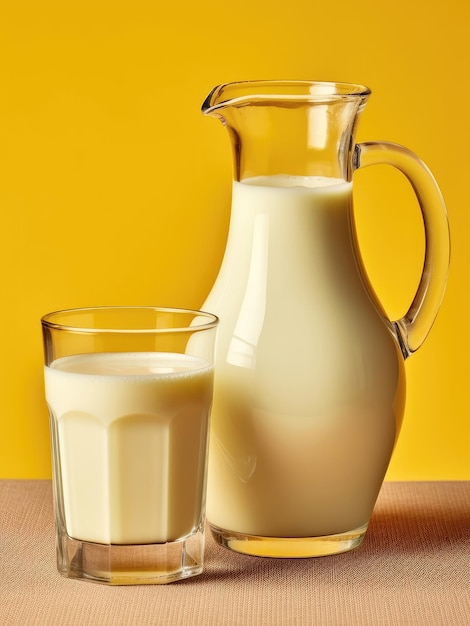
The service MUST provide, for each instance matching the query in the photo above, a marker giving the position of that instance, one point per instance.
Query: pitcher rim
(282, 91)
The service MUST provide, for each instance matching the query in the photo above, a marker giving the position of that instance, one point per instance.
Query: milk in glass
(132, 433)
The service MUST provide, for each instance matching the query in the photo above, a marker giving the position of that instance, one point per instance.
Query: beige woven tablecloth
(413, 568)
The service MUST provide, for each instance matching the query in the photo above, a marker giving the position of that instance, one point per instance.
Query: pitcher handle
(413, 328)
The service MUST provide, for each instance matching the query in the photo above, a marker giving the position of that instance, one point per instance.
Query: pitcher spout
(295, 128)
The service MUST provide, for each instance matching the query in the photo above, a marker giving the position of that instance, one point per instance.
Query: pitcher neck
(290, 128)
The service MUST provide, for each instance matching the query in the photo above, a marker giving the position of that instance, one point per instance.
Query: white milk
(309, 390)
(132, 435)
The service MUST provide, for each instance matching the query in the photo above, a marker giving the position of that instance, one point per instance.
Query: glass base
(289, 548)
(131, 564)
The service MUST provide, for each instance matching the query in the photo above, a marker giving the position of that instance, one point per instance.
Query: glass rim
(306, 91)
(47, 320)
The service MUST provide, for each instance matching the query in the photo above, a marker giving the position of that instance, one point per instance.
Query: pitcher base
(289, 548)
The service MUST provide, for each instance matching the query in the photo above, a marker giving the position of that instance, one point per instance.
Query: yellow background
(114, 189)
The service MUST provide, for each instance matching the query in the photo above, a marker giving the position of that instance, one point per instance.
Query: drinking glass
(129, 391)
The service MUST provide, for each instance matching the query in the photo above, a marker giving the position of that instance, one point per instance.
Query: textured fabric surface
(412, 568)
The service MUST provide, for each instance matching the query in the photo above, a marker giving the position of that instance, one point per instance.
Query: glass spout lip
(282, 91)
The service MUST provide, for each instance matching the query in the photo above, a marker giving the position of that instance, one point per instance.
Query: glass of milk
(129, 391)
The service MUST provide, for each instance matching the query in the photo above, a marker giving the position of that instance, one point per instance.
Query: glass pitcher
(310, 382)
